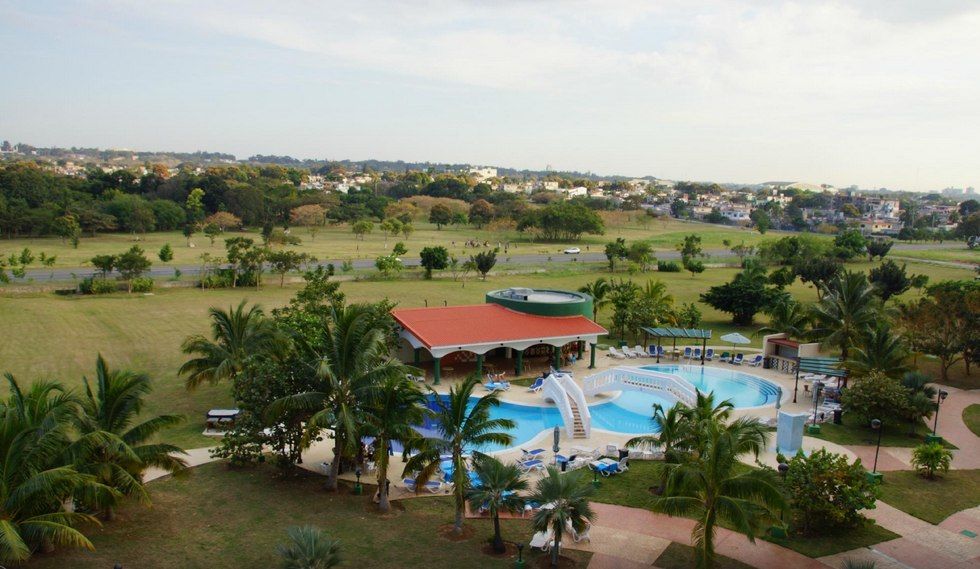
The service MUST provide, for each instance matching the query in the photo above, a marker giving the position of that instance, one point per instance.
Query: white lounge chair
(579, 536)
(640, 352)
(614, 353)
(624, 464)
(628, 352)
(543, 540)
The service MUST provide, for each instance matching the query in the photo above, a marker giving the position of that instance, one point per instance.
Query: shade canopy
(735, 338)
(693, 333)
(826, 366)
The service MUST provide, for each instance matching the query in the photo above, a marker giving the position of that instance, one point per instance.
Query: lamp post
(519, 564)
(358, 489)
(876, 476)
(780, 530)
(940, 397)
(817, 389)
(595, 478)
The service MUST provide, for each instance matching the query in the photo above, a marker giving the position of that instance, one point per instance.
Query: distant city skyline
(874, 93)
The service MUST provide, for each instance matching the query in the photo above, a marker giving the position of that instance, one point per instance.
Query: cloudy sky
(867, 92)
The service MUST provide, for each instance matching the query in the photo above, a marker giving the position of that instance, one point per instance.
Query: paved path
(194, 457)
(953, 429)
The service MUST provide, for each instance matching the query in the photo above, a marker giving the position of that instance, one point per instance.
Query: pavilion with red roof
(505, 327)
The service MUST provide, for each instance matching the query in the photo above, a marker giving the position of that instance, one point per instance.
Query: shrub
(668, 266)
(828, 491)
(141, 284)
(877, 396)
(91, 285)
(931, 457)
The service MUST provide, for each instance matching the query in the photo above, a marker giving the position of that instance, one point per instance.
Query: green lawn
(678, 556)
(219, 518)
(850, 432)
(865, 535)
(971, 416)
(960, 254)
(932, 500)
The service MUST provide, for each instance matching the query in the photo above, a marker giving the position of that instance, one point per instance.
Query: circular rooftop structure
(543, 302)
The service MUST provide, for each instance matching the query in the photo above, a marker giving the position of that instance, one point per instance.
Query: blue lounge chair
(709, 355)
(533, 453)
(537, 385)
(738, 359)
(687, 353)
(432, 486)
(757, 360)
(497, 386)
(697, 354)
(528, 465)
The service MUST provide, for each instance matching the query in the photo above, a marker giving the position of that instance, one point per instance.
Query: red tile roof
(488, 323)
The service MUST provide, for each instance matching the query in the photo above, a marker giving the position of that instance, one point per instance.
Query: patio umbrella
(735, 338)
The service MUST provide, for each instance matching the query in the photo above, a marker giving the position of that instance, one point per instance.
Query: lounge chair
(697, 354)
(725, 357)
(614, 353)
(432, 486)
(537, 385)
(757, 360)
(586, 452)
(527, 466)
(497, 386)
(543, 540)
(533, 453)
(687, 353)
(628, 352)
(416, 378)
(652, 350)
(579, 536)
(738, 359)
(624, 464)
(709, 355)
(640, 352)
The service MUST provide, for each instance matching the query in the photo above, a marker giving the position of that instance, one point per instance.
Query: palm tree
(113, 447)
(599, 291)
(568, 496)
(879, 350)
(673, 426)
(34, 482)
(236, 335)
(661, 302)
(846, 311)
(392, 410)
(309, 547)
(705, 411)
(462, 426)
(922, 398)
(498, 488)
(354, 362)
(712, 486)
(787, 317)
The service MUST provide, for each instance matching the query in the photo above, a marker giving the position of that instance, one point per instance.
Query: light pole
(357, 487)
(876, 476)
(940, 397)
(520, 556)
(817, 389)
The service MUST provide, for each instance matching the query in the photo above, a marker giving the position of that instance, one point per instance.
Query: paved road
(68, 274)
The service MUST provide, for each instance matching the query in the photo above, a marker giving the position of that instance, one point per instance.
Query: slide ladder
(569, 398)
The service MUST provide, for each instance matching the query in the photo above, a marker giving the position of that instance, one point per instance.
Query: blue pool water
(630, 413)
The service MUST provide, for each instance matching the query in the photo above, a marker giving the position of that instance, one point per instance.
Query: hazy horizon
(875, 93)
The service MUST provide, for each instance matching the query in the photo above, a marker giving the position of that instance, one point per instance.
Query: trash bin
(837, 414)
(623, 453)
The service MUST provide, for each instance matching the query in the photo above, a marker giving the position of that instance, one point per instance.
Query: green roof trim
(694, 333)
(826, 366)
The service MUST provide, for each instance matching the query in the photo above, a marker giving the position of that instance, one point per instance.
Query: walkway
(953, 429)
(194, 457)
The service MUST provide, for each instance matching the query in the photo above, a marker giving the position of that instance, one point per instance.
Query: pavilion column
(581, 349)
(479, 365)
(519, 363)
(591, 356)
(436, 370)
(418, 356)
(556, 357)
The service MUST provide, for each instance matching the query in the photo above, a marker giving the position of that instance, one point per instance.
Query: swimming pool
(630, 412)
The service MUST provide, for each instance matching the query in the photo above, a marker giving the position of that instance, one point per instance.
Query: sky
(877, 93)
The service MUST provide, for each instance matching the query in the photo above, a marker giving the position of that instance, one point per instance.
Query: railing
(640, 380)
(781, 364)
(552, 389)
(578, 396)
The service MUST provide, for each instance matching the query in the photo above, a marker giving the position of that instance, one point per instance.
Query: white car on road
(572, 251)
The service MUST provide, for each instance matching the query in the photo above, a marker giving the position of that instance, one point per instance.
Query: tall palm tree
(568, 496)
(599, 291)
(705, 411)
(462, 426)
(787, 317)
(236, 335)
(497, 490)
(309, 547)
(846, 311)
(711, 486)
(671, 425)
(879, 350)
(113, 446)
(393, 408)
(354, 362)
(661, 302)
(34, 482)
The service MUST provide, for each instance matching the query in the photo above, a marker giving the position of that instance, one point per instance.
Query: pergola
(481, 328)
(674, 333)
(831, 367)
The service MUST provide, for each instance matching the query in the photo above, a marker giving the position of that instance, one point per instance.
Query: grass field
(219, 518)
(971, 417)
(932, 500)
(49, 336)
(961, 254)
(338, 242)
(849, 432)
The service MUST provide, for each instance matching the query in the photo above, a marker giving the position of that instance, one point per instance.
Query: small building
(548, 325)
(781, 353)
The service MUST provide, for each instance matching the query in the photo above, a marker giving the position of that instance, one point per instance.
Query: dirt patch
(544, 562)
(446, 532)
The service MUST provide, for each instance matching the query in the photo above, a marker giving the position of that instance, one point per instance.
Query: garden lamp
(520, 556)
(940, 397)
(877, 425)
(817, 388)
(357, 487)
(783, 469)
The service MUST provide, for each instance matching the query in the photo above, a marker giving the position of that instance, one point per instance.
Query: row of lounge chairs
(545, 540)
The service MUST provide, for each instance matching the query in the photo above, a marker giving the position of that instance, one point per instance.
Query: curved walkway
(953, 429)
